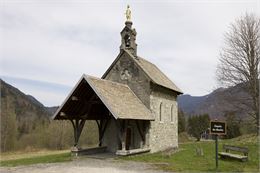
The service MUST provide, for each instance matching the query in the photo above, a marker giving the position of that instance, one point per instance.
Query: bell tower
(128, 34)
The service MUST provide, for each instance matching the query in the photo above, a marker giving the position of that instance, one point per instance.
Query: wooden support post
(141, 133)
(78, 127)
(102, 125)
(99, 124)
(103, 132)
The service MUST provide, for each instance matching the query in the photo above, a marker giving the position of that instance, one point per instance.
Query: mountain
(23, 101)
(218, 103)
(190, 103)
(22, 112)
(35, 101)
(24, 105)
(25, 123)
(52, 109)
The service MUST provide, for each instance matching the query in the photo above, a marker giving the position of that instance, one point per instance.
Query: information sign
(218, 128)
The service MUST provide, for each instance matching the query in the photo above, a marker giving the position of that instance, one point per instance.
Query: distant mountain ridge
(190, 103)
(9, 89)
(29, 112)
(19, 100)
(35, 101)
(52, 109)
(218, 103)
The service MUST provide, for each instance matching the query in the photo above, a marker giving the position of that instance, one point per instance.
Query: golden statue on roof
(128, 13)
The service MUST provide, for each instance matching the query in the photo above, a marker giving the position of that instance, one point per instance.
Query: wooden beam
(75, 132)
(87, 107)
(78, 127)
(102, 130)
(93, 102)
(74, 98)
(140, 131)
(62, 114)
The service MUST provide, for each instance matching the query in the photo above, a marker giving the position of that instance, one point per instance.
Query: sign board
(218, 128)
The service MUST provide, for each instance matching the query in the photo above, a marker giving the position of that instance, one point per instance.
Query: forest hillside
(26, 124)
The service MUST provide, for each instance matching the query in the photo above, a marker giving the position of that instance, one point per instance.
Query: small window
(172, 113)
(127, 40)
(160, 113)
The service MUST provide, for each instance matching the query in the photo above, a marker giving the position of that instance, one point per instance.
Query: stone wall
(163, 133)
(126, 71)
(111, 137)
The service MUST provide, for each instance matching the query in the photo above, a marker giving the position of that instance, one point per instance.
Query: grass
(186, 159)
(14, 155)
(49, 158)
(184, 138)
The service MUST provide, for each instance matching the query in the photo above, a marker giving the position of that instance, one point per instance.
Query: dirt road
(86, 165)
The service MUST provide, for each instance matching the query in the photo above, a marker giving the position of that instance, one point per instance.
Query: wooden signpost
(217, 128)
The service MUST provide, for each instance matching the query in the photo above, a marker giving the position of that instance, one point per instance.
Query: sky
(46, 45)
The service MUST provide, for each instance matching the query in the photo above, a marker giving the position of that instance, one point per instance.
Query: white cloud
(57, 41)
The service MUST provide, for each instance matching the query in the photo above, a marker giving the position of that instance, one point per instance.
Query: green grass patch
(187, 160)
(52, 158)
(184, 137)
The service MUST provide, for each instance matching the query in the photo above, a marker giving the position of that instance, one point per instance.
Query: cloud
(57, 41)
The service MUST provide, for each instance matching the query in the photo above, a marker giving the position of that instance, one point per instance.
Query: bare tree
(239, 60)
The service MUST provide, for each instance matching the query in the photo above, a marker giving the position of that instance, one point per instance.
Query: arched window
(160, 113)
(172, 113)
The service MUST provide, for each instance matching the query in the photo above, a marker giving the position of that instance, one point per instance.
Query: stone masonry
(162, 133)
(134, 103)
(164, 130)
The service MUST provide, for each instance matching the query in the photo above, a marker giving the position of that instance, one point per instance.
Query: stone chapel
(134, 104)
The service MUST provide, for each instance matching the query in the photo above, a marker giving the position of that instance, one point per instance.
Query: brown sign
(218, 127)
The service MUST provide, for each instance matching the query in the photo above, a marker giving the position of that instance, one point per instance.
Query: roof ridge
(120, 84)
(116, 83)
(146, 60)
(165, 82)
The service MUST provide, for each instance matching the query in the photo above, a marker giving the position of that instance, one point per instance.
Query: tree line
(238, 65)
(239, 62)
(41, 133)
(197, 125)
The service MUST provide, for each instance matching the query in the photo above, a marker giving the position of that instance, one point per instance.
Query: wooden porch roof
(93, 98)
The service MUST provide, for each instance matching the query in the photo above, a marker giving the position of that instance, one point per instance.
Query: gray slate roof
(156, 75)
(151, 70)
(118, 98)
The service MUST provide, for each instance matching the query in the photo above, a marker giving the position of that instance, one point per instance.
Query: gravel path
(86, 165)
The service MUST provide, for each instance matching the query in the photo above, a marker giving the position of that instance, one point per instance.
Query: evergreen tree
(197, 125)
(181, 121)
(233, 126)
(8, 128)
